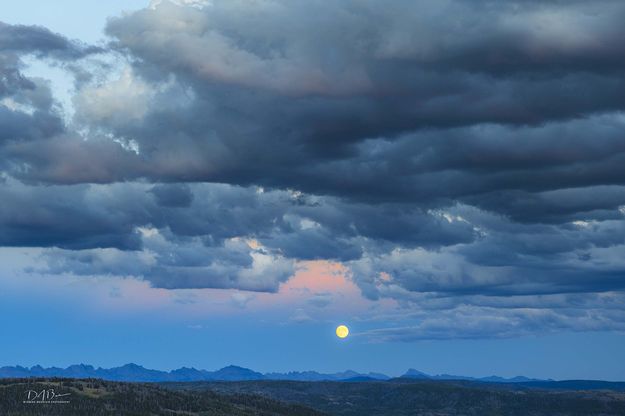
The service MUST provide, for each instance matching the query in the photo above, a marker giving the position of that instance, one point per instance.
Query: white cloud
(119, 101)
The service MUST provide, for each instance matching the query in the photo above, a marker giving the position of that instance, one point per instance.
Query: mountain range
(134, 372)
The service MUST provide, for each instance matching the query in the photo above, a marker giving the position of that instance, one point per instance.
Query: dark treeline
(97, 397)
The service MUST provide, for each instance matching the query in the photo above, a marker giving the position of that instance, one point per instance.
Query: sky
(200, 184)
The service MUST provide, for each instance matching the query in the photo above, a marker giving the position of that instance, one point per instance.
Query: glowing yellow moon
(342, 331)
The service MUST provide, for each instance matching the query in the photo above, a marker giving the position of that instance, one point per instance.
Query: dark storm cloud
(42, 42)
(173, 195)
(172, 263)
(352, 70)
(399, 101)
(106, 214)
(19, 126)
(29, 114)
(217, 239)
(507, 259)
(452, 154)
(68, 217)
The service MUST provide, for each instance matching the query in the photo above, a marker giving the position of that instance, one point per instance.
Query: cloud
(299, 226)
(300, 316)
(321, 300)
(116, 102)
(467, 165)
(475, 322)
(41, 41)
(507, 259)
(481, 113)
(173, 195)
(485, 109)
(241, 299)
(183, 264)
(69, 217)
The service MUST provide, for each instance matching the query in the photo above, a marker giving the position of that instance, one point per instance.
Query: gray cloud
(440, 123)
(485, 109)
(197, 246)
(69, 217)
(474, 322)
(187, 263)
(41, 41)
(474, 159)
(173, 195)
(507, 259)
(115, 217)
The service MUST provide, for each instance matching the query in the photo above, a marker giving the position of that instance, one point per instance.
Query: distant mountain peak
(235, 367)
(136, 372)
(234, 372)
(412, 373)
(132, 365)
(77, 366)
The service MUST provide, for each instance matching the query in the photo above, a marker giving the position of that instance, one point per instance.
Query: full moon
(342, 331)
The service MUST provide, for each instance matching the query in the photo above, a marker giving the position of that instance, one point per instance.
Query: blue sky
(214, 183)
(74, 19)
(52, 334)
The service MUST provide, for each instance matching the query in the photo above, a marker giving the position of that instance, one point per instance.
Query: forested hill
(404, 397)
(68, 397)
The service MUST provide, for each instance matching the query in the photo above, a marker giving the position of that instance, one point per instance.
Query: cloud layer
(464, 160)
